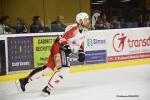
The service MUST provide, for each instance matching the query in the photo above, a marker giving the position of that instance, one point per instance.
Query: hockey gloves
(66, 48)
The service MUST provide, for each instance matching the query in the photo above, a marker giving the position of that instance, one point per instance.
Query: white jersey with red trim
(74, 37)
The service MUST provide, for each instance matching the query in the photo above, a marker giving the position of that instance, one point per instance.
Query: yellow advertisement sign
(42, 46)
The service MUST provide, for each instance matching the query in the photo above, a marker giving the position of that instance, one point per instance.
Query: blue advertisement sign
(95, 57)
(20, 53)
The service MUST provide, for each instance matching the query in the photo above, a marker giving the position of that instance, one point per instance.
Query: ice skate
(46, 91)
(21, 83)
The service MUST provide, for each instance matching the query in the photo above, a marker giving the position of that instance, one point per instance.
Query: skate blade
(44, 94)
(17, 83)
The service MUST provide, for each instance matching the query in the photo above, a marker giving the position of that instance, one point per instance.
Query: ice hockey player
(70, 42)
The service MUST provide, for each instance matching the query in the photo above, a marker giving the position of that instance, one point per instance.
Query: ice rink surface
(129, 83)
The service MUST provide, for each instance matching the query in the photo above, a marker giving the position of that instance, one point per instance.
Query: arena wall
(47, 9)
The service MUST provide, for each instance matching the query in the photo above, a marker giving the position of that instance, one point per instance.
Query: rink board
(84, 68)
(104, 49)
(28, 51)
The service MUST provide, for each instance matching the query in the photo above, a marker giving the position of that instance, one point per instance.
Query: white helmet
(81, 16)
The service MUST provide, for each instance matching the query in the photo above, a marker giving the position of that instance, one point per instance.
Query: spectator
(36, 26)
(123, 23)
(20, 26)
(99, 23)
(1, 28)
(115, 22)
(107, 25)
(95, 18)
(141, 22)
(5, 27)
(58, 25)
(148, 21)
(46, 29)
(102, 23)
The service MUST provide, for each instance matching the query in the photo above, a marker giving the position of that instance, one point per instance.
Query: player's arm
(64, 43)
(68, 34)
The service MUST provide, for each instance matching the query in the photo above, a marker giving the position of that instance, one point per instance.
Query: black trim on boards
(2, 58)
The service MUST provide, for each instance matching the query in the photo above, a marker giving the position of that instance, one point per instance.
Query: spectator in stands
(115, 22)
(1, 28)
(123, 23)
(46, 29)
(36, 26)
(141, 22)
(99, 23)
(20, 27)
(58, 25)
(107, 24)
(5, 27)
(102, 23)
(148, 21)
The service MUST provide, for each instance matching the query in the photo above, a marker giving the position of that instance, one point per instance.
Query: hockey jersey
(74, 37)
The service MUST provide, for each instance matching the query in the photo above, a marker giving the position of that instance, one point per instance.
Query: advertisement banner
(42, 46)
(121, 44)
(95, 57)
(94, 40)
(131, 41)
(20, 53)
(95, 47)
(128, 44)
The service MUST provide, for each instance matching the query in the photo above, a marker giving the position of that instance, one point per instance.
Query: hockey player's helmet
(81, 16)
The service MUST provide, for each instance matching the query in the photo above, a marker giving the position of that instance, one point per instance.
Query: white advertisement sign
(94, 41)
(121, 44)
(95, 48)
(128, 44)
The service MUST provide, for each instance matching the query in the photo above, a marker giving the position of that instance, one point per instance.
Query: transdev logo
(92, 42)
(119, 42)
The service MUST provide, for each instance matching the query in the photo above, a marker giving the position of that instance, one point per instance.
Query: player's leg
(63, 65)
(36, 73)
(55, 80)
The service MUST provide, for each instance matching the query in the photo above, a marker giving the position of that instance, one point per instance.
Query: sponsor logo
(20, 53)
(92, 42)
(142, 42)
(119, 41)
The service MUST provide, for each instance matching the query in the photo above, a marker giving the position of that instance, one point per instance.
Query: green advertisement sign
(42, 46)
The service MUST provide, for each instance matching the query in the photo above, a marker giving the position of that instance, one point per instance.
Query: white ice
(131, 82)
